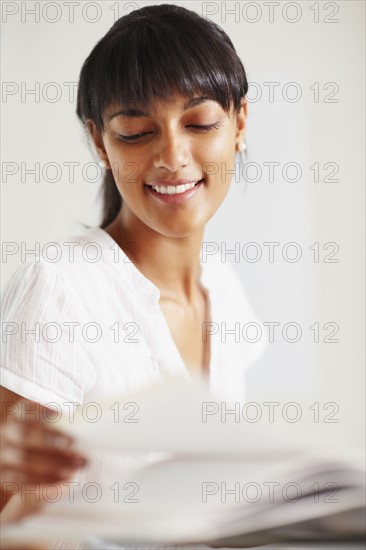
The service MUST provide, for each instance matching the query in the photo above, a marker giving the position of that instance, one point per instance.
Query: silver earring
(102, 164)
(242, 146)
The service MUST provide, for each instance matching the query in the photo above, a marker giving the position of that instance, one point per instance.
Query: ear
(97, 140)
(241, 121)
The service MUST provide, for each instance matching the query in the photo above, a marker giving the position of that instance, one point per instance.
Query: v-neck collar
(148, 289)
(147, 285)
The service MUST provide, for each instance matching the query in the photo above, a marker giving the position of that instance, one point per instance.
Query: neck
(171, 263)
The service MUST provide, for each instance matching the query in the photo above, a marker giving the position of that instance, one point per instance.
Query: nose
(171, 151)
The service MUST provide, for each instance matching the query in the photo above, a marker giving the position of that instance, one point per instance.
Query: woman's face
(186, 142)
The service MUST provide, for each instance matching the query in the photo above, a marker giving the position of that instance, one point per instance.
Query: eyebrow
(134, 112)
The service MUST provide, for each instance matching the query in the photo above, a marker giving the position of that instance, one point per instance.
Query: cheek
(220, 159)
(128, 170)
(218, 147)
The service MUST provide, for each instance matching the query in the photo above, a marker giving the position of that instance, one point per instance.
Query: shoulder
(49, 281)
(73, 263)
(79, 252)
(234, 308)
(228, 287)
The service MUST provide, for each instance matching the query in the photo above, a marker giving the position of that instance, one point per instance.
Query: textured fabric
(74, 356)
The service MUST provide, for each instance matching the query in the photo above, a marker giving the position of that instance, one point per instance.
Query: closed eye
(204, 127)
(131, 138)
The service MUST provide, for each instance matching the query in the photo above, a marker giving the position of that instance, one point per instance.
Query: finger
(41, 465)
(12, 477)
(47, 438)
(19, 452)
(37, 435)
(39, 461)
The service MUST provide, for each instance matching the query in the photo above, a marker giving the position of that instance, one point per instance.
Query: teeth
(174, 189)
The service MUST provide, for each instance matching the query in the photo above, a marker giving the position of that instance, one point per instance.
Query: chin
(179, 230)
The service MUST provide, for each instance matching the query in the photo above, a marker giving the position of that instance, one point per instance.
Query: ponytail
(112, 200)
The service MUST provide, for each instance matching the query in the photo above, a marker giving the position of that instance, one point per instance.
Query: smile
(175, 194)
(175, 189)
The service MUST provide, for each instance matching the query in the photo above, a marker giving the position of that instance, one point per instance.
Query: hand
(33, 454)
(36, 452)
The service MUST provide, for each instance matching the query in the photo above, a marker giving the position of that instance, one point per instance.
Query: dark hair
(151, 53)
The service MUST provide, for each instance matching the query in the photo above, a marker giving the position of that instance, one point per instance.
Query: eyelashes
(205, 126)
(132, 138)
(202, 127)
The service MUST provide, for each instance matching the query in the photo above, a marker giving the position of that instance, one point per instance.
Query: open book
(210, 478)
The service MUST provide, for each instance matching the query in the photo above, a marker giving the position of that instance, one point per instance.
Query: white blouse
(81, 323)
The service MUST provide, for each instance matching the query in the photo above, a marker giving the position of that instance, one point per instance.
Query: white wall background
(37, 129)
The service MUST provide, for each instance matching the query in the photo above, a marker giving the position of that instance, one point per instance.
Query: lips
(176, 193)
(167, 183)
(175, 187)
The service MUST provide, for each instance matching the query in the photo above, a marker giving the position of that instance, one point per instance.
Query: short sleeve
(42, 356)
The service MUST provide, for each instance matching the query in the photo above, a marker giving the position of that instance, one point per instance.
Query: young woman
(132, 302)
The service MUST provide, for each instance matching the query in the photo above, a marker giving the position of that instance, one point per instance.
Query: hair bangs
(154, 59)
